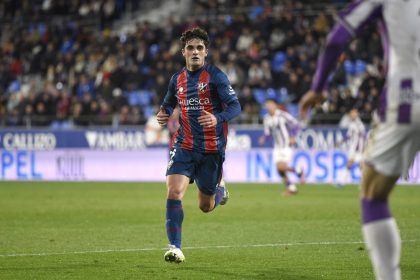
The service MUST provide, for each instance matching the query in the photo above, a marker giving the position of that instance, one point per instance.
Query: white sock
(384, 245)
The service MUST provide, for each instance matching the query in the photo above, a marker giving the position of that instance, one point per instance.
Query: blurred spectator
(106, 74)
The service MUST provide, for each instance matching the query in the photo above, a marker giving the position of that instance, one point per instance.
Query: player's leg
(379, 227)
(346, 178)
(282, 157)
(179, 172)
(389, 153)
(212, 190)
(177, 185)
(282, 169)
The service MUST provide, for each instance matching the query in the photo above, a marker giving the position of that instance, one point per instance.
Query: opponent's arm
(351, 22)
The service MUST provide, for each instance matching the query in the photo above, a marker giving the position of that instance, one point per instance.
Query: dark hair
(194, 33)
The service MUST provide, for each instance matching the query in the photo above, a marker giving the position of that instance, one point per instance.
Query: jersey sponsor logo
(194, 103)
(202, 87)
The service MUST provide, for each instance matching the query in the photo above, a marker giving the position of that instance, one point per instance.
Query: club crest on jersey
(181, 90)
(202, 87)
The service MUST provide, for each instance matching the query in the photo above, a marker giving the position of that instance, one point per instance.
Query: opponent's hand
(292, 141)
(310, 99)
(207, 120)
(162, 117)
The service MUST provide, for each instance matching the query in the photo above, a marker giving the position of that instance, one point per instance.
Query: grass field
(116, 231)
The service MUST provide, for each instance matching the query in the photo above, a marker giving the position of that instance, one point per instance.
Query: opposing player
(395, 137)
(283, 128)
(355, 139)
(207, 102)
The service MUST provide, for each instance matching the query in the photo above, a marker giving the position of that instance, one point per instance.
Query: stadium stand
(70, 63)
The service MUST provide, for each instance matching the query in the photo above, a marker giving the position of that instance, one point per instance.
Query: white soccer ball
(292, 188)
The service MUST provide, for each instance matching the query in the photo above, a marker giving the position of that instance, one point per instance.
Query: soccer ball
(292, 188)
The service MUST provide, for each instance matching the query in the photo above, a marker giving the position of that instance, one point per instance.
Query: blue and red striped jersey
(195, 91)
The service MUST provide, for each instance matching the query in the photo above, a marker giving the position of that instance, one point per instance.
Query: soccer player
(355, 138)
(395, 137)
(207, 102)
(283, 128)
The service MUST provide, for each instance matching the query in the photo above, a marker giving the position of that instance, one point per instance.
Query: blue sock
(174, 218)
(219, 195)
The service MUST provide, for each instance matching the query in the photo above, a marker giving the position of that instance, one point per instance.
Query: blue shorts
(204, 169)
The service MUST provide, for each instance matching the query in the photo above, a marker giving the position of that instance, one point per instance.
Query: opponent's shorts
(391, 148)
(282, 154)
(204, 169)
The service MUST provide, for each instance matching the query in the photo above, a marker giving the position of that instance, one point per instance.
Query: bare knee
(175, 193)
(205, 207)
(282, 167)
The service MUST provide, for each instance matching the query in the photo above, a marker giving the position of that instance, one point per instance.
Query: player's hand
(292, 141)
(261, 140)
(207, 119)
(162, 117)
(310, 99)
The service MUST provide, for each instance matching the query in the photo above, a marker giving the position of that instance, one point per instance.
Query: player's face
(195, 53)
(354, 114)
(271, 107)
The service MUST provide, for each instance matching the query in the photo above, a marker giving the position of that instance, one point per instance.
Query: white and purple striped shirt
(356, 135)
(399, 25)
(281, 125)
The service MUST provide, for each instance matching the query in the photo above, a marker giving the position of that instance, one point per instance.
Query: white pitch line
(194, 248)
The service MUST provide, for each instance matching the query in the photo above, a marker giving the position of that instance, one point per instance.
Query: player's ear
(183, 52)
(207, 52)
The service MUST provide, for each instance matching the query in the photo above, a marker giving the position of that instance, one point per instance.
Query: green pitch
(116, 231)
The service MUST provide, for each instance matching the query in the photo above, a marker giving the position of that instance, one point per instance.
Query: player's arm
(228, 96)
(293, 127)
(168, 105)
(266, 134)
(350, 23)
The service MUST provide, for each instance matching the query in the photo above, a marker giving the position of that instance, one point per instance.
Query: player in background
(355, 138)
(395, 136)
(207, 102)
(283, 128)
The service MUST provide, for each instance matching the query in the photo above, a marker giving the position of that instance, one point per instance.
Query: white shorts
(392, 148)
(282, 154)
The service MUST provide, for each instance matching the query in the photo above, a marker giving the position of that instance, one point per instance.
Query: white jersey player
(283, 128)
(395, 136)
(355, 139)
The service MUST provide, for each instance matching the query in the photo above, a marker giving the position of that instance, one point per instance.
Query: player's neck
(194, 68)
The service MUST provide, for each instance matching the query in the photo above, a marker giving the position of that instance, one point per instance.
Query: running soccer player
(355, 138)
(207, 102)
(395, 138)
(283, 128)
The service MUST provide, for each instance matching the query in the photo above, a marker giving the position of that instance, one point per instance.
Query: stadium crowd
(60, 73)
